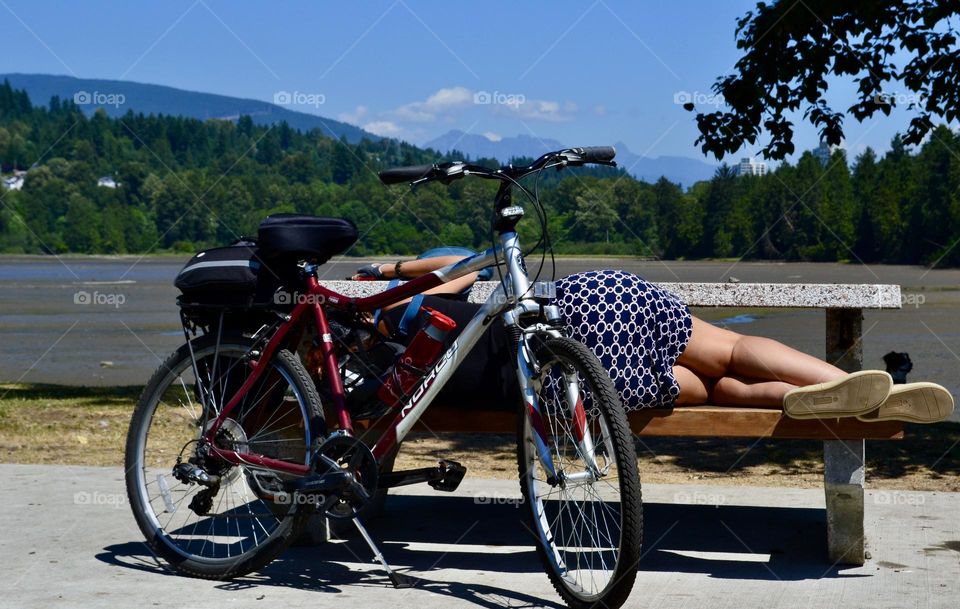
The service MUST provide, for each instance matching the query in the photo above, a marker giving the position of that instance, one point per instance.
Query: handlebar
(398, 175)
(447, 172)
(596, 154)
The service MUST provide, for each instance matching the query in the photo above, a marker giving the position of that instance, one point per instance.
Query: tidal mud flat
(92, 320)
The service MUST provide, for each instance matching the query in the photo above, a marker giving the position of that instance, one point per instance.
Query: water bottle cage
(403, 396)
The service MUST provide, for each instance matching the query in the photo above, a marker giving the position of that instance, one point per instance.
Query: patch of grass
(64, 425)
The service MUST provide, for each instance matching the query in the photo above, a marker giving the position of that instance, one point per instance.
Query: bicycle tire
(614, 440)
(292, 522)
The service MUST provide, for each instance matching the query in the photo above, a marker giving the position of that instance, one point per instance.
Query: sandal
(915, 403)
(849, 396)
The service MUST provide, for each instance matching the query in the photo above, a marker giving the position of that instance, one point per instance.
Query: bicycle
(229, 452)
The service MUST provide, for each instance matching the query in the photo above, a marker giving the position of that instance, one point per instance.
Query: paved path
(68, 540)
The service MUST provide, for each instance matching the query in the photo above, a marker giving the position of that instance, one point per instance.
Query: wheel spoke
(579, 521)
(276, 420)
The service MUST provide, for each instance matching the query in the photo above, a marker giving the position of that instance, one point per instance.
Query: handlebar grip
(399, 175)
(596, 154)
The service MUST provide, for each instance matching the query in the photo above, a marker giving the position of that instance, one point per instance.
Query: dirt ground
(87, 426)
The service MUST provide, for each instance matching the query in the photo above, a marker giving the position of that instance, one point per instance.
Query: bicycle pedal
(451, 475)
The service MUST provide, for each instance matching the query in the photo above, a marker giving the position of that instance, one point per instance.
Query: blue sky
(584, 73)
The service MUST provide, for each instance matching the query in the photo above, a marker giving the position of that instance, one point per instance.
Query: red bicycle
(232, 448)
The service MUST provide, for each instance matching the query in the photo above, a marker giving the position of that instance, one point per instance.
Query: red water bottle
(419, 355)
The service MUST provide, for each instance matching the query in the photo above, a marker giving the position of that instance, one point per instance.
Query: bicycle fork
(571, 386)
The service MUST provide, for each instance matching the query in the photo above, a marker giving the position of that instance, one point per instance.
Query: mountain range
(117, 97)
(681, 170)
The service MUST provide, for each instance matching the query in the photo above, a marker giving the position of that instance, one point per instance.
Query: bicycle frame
(517, 300)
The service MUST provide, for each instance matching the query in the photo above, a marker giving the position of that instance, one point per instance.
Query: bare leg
(716, 352)
(732, 391)
(693, 389)
(727, 390)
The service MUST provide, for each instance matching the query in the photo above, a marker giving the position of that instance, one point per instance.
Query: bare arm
(416, 268)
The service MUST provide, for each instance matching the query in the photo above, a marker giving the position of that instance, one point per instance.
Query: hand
(370, 272)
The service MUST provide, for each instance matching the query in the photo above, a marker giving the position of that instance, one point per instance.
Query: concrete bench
(843, 439)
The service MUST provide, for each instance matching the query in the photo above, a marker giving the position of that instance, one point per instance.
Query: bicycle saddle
(303, 237)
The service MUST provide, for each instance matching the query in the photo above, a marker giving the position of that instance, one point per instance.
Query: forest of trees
(187, 184)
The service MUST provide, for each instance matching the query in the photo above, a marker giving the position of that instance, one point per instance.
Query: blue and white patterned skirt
(635, 328)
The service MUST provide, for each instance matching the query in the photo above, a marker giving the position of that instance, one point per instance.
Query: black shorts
(487, 378)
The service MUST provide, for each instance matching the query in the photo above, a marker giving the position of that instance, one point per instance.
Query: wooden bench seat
(683, 422)
(843, 439)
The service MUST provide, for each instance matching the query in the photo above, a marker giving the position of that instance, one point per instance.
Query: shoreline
(168, 255)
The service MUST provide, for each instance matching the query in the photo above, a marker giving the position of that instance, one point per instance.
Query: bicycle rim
(578, 524)
(249, 510)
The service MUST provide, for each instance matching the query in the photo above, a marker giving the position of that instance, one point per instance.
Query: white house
(14, 182)
(107, 182)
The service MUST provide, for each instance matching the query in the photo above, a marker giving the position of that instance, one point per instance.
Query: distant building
(824, 151)
(107, 182)
(749, 167)
(14, 182)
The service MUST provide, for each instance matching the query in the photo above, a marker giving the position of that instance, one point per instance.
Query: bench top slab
(762, 295)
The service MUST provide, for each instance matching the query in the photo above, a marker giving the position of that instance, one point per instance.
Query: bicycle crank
(345, 477)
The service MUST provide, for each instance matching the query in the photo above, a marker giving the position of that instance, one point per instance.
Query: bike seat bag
(233, 277)
(293, 237)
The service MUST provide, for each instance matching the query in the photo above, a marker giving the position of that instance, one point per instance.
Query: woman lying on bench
(659, 355)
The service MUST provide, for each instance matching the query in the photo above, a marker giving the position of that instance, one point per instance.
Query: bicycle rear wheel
(248, 519)
(588, 528)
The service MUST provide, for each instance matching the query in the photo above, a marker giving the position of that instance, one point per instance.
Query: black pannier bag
(232, 277)
(291, 237)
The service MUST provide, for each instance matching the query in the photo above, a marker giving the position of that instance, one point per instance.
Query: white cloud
(442, 102)
(543, 110)
(453, 106)
(354, 117)
(383, 128)
(455, 96)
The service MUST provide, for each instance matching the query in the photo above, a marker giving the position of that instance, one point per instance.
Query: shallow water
(110, 321)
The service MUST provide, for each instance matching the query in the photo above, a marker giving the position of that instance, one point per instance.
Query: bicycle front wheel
(247, 519)
(587, 522)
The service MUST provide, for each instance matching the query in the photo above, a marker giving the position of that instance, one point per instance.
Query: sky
(584, 73)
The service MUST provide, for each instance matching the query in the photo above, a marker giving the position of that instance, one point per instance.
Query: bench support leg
(843, 479)
(843, 473)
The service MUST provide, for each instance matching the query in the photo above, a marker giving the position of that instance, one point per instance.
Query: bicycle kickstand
(398, 580)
